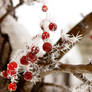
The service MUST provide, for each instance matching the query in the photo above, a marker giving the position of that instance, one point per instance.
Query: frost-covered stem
(81, 77)
(8, 12)
(69, 68)
(57, 86)
(83, 28)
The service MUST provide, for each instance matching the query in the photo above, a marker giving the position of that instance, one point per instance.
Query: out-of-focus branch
(57, 86)
(11, 10)
(82, 28)
(5, 50)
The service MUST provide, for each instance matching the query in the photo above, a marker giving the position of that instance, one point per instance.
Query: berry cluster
(11, 72)
(47, 47)
(28, 62)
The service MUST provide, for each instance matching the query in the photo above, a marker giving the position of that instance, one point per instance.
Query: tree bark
(5, 52)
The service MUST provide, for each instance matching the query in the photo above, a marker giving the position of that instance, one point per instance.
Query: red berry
(45, 35)
(44, 8)
(28, 76)
(24, 61)
(11, 72)
(34, 50)
(47, 47)
(52, 27)
(12, 65)
(12, 87)
(5, 74)
(31, 57)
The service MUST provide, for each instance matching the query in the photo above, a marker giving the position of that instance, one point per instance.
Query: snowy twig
(8, 12)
